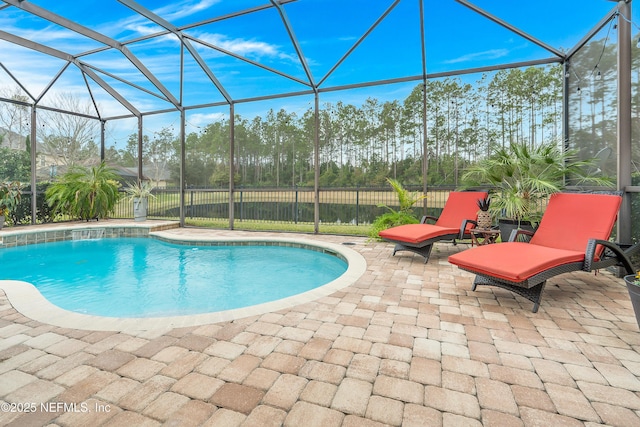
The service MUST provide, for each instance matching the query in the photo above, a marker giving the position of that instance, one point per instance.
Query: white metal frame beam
(360, 40)
(173, 29)
(296, 44)
(69, 59)
(510, 27)
(87, 32)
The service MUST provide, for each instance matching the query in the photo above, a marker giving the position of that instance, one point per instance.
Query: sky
(329, 36)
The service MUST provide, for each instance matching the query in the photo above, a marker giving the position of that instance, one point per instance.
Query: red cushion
(514, 261)
(571, 219)
(416, 233)
(460, 205)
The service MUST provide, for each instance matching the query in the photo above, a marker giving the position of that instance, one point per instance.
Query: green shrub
(10, 193)
(22, 213)
(393, 218)
(85, 193)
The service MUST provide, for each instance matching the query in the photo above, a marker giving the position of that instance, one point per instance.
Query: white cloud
(51, 35)
(199, 120)
(19, 61)
(241, 46)
(184, 8)
(479, 56)
(141, 28)
(140, 25)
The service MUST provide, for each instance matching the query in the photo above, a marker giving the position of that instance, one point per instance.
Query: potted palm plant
(139, 192)
(85, 193)
(10, 193)
(522, 179)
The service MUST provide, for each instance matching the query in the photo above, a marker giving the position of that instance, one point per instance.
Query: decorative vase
(484, 220)
(140, 209)
(634, 294)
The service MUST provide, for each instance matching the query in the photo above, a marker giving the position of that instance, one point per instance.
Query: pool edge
(28, 301)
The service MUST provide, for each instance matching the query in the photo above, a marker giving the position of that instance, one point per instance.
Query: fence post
(295, 213)
(241, 205)
(357, 204)
(191, 204)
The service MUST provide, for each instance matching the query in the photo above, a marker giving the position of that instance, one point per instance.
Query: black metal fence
(356, 206)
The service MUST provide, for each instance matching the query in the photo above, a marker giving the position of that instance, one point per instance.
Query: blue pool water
(140, 277)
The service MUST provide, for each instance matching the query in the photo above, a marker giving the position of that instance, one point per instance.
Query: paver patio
(408, 344)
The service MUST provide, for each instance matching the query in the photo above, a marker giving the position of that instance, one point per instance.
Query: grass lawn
(165, 200)
(223, 223)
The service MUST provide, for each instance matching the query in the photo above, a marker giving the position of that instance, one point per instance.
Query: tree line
(363, 145)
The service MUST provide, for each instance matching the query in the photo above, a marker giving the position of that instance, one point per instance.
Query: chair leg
(424, 251)
(533, 294)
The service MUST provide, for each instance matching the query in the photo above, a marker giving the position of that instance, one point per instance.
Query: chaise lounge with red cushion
(573, 235)
(458, 216)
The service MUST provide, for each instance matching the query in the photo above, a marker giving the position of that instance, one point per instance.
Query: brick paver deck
(408, 344)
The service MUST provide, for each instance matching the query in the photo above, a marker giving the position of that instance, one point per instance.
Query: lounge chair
(457, 217)
(573, 235)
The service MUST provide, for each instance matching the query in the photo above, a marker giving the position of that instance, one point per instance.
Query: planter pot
(140, 209)
(634, 294)
(506, 226)
(1, 221)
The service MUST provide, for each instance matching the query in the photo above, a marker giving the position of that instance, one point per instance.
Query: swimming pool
(146, 277)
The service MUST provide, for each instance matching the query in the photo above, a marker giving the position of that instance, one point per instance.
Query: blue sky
(457, 38)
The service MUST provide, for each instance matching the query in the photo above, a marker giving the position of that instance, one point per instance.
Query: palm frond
(523, 177)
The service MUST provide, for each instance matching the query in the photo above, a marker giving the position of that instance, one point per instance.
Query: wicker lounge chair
(573, 235)
(458, 216)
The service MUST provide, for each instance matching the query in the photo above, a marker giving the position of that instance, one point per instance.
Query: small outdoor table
(483, 236)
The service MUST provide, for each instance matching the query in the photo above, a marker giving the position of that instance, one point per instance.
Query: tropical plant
(523, 178)
(85, 193)
(10, 193)
(404, 215)
(139, 189)
(140, 192)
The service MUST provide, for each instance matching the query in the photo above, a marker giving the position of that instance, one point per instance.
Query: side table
(483, 236)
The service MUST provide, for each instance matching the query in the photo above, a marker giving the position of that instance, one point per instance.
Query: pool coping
(27, 300)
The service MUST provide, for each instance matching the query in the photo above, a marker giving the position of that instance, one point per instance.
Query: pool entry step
(87, 233)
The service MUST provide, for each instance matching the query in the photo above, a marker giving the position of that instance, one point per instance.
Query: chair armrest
(463, 227)
(518, 232)
(424, 219)
(612, 251)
